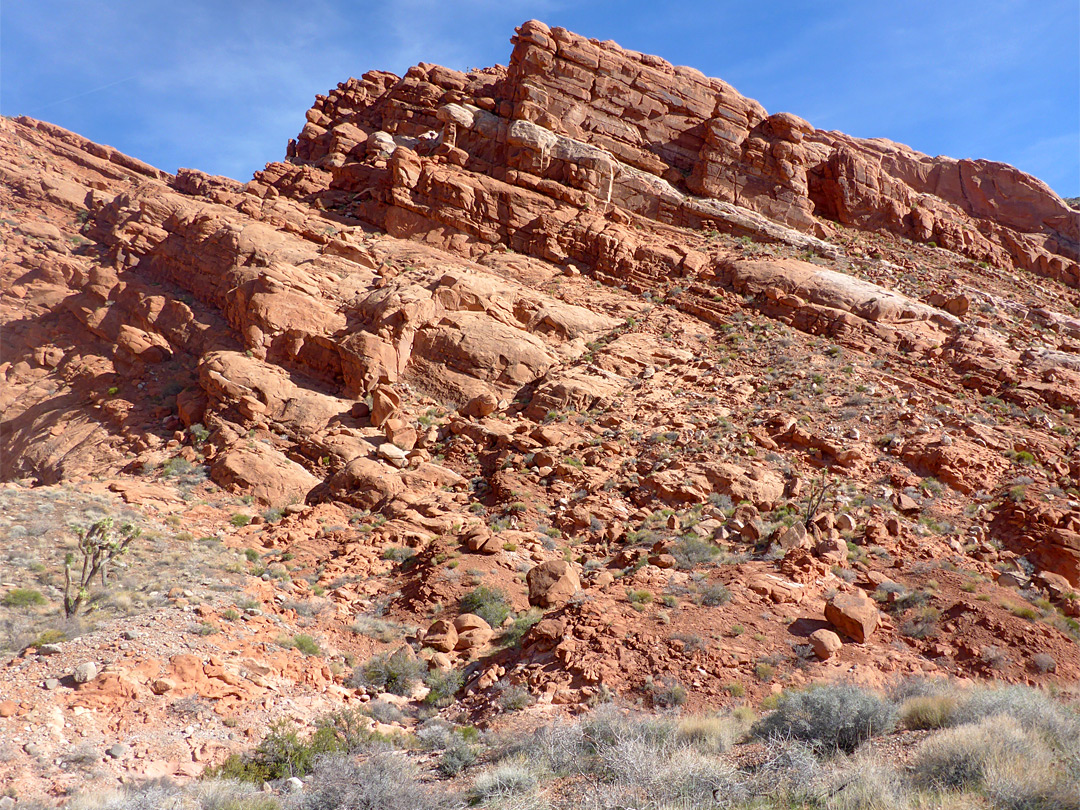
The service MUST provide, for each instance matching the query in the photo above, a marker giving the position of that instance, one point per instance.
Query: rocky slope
(694, 386)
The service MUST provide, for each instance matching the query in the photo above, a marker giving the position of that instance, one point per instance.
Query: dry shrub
(832, 717)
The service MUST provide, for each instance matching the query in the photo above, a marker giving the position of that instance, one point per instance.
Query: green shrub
(240, 519)
(397, 673)
(443, 686)
(714, 595)
(691, 552)
(523, 622)
(23, 597)
(490, 604)
(829, 717)
(306, 644)
(281, 754)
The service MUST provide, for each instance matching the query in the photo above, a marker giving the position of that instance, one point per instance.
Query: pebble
(51, 683)
(118, 750)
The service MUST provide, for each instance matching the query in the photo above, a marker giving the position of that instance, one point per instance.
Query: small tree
(98, 545)
(815, 498)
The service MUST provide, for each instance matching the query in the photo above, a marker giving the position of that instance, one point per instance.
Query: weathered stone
(826, 643)
(442, 636)
(853, 614)
(552, 583)
(473, 632)
(85, 672)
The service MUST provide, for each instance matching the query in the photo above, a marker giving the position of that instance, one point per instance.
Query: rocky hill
(681, 397)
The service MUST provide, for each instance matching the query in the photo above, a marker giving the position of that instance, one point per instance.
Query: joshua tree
(98, 545)
(819, 491)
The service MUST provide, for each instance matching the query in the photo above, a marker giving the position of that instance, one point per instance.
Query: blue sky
(220, 85)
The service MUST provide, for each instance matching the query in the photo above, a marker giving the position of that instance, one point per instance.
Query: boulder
(482, 541)
(793, 537)
(826, 643)
(472, 632)
(552, 583)
(442, 636)
(264, 473)
(481, 405)
(385, 402)
(832, 548)
(853, 614)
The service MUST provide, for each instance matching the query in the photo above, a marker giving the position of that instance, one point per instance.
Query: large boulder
(472, 632)
(442, 636)
(552, 583)
(264, 473)
(853, 614)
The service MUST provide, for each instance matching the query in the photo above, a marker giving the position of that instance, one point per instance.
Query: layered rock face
(584, 123)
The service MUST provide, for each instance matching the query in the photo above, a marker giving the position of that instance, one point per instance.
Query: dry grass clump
(1013, 765)
(714, 733)
(927, 712)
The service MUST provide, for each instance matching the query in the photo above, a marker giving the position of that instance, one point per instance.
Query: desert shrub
(1043, 663)
(396, 673)
(383, 712)
(383, 781)
(927, 711)
(281, 754)
(22, 597)
(920, 687)
(921, 623)
(211, 794)
(459, 754)
(378, 629)
(691, 552)
(1031, 708)
(490, 604)
(790, 774)
(866, 783)
(668, 693)
(306, 644)
(512, 777)
(513, 697)
(829, 717)
(560, 747)
(443, 686)
(522, 624)
(714, 595)
(398, 554)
